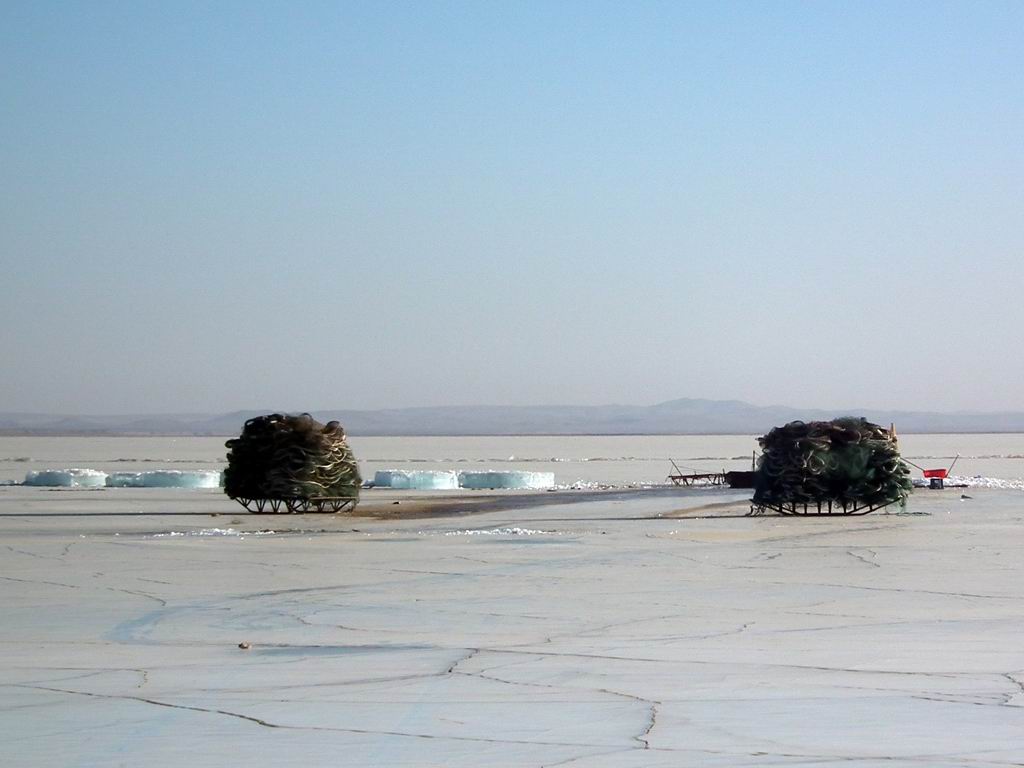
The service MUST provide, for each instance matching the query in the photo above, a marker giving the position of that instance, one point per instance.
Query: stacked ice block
(477, 480)
(67, 478)
(419, 480)
(165, 478)
(94, 478)
(422, 480)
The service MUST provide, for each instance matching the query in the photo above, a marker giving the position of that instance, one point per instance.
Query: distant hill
(675, 417)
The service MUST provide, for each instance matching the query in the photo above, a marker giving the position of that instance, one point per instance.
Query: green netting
(849, 461)
(290, 457)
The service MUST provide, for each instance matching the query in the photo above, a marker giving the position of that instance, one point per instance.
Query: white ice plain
(646, 631)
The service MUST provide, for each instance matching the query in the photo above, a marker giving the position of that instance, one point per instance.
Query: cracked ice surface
(654, 631)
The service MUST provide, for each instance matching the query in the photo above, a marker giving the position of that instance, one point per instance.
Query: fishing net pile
(282, 457)
(849, 461)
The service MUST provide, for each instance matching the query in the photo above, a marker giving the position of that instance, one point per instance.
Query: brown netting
(292, 459)
(849, 461)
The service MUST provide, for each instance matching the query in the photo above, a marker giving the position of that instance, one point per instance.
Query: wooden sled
(333, 504)
(815, 508)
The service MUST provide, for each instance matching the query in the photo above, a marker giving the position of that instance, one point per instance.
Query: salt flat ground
(647, 631)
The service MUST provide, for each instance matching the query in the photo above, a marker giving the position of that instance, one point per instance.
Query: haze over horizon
(361, 206)
(851, 409)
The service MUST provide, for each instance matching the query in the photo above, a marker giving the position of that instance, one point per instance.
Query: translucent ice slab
(165, 478)
(419, 480)
(512, 479)
(67, 478)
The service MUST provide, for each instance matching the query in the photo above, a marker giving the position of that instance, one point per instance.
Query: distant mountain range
(676, 417)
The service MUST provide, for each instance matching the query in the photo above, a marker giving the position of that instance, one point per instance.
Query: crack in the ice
(294, 591)
(863, 559)
(959, 700)
(513, 650)
(710, 636)
(471, 652)
(40, 581)
(476, 560)
(940, 593)
(25, 552)
(1018, 685)
(645, 737)
(864, 625)
(329, 684)
(307, 623)
(572, 760)
(642, 738)
(159, 600)
(269, 724)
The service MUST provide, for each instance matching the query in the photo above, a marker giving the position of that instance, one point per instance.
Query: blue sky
(212, 206)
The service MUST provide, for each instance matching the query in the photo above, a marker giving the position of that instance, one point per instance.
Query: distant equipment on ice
(937, 477)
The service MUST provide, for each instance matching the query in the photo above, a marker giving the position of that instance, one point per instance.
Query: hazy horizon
(852, 410)
(328, 407)
(207, 208)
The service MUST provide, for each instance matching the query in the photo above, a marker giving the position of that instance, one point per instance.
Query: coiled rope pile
(850, 461)
(291, 458)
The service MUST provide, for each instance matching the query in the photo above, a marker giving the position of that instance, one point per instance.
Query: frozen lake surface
(615, 460)
(659, 630)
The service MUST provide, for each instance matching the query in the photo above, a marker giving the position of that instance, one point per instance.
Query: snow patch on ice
(586, 485)
(211, 532)
(987, 482)
(502, 532)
